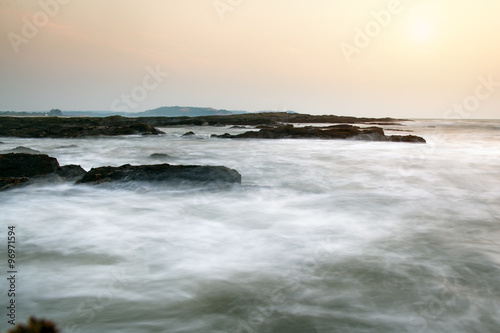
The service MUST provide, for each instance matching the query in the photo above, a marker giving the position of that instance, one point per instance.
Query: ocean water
(321, 236)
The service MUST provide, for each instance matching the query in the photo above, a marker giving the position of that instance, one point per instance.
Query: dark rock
(27, 165)
(238, 126)
(163, 173)
(406, 138)
(24, 150)
(190, 133)
(343, 131)
(160, 156)
(71, 172)
(19, 169)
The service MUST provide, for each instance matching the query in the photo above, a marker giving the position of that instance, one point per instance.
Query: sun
(422, 31)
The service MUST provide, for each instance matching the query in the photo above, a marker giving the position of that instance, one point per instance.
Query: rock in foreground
(163, 173)
(19, 169)
(27, 165)
(330, 132)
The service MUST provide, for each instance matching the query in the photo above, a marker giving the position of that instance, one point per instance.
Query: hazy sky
(407, 58)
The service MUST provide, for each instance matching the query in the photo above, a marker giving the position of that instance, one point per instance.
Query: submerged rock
(66, 147)
(24, 150)
(8, 182)
(163, 173)
(160, 156)
(330, 132)
(190, 133)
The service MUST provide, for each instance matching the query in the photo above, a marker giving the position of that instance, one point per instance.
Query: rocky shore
(22, 169)
(55, 127)
(271, 125)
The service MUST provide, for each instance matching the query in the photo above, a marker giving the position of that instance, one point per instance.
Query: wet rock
(190, 133)
(27, 165)
(163, 173)
(24, 150)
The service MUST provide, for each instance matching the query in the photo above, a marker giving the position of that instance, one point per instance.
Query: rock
(19, 169)
(27, 165)
(71, 172)
(190, 133)
(24, 150)
(407, 138)
(160, 156)
(343, 131)
(8, 182)
(163, 173)
(238, 126)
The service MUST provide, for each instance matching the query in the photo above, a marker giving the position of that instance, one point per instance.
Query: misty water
(321, 236)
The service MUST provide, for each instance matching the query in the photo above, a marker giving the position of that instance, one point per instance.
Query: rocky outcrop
(23, 168)
(27, 165)
(19, 169)
(330, 132)
(163, 173)
(54, 127)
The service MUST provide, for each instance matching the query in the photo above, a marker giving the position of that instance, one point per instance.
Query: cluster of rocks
(22, 168)
(342, 131)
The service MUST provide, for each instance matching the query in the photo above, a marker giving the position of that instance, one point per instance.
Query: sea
(321, 235)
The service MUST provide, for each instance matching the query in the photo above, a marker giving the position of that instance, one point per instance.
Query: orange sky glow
(398, 58)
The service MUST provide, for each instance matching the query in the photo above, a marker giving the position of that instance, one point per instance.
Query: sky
(396, 58)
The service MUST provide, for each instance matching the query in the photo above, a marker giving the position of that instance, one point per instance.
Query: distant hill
(274, 111)
(164, 111)
(186, 111)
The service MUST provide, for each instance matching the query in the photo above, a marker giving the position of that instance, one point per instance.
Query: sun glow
(422, 31)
